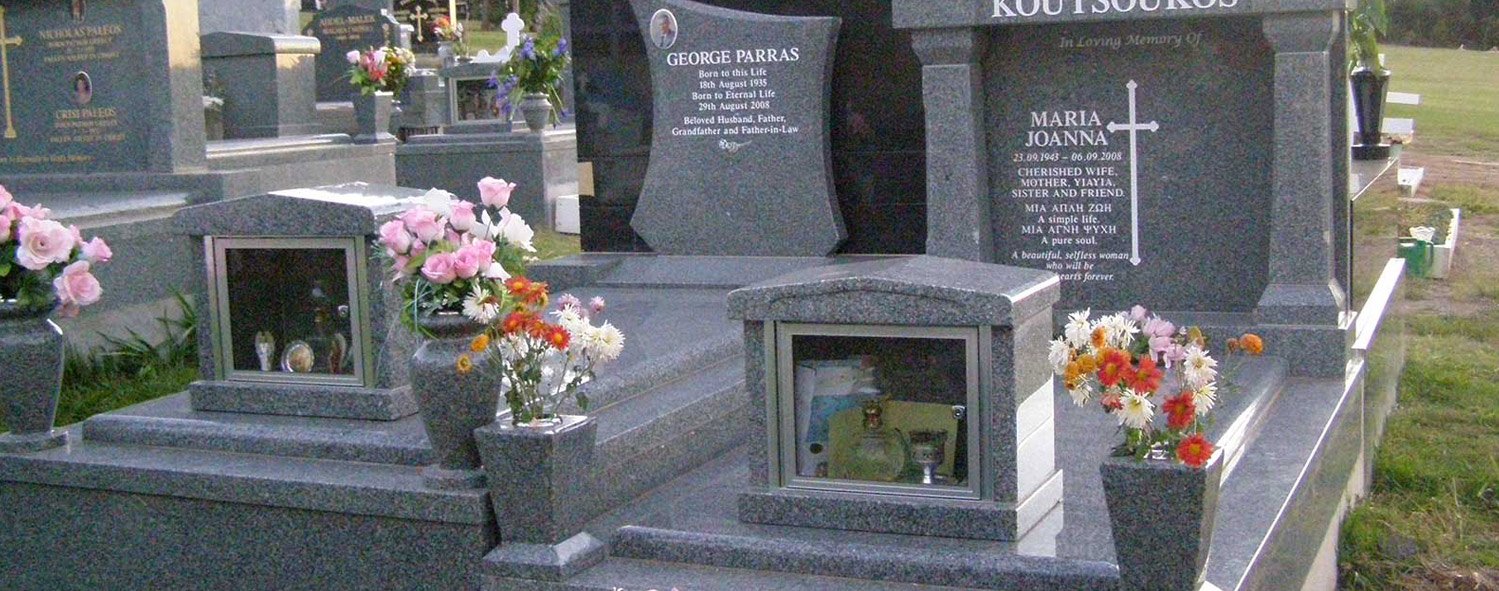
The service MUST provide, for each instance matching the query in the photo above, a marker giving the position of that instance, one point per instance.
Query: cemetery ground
(1431, 520)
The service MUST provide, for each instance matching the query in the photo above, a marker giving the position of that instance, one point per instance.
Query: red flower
(558, 337)
(1195, 451)
(1146, 379)
(518, 286)
(518, 322)
(1180, 411)
(1116, 368)
(1111, 401)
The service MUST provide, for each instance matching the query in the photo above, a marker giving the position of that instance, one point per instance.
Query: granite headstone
(422, 15)
(740, 132)
(1121, 156)
(345, 28)
(878, 142)
(73, 87)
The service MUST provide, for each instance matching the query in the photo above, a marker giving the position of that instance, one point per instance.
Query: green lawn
(1459, 110)
(1431, 520)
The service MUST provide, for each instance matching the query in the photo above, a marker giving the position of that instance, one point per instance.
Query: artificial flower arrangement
(450, 255)
(536, 68)
(450, 31)
(38, 253)
(380, 69)
(542, 363)
(1129, 360)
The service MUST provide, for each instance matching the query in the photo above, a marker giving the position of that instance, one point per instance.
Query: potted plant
(532, 79)
(1369, 77)
(379, 75)
(450, 259)
(44, 266)
(451, 45)
(539, 460)
(1161, 485)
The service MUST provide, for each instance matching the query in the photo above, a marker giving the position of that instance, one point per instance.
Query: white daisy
(611, 342)
(1078, 329)
(1198, 367)
(1121, 330)
(1137, 410)
(1059, 356)
(480, 305)
(1204, 399)
(1081, 395)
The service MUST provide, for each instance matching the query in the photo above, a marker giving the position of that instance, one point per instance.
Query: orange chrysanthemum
(479, 344)
(1116, 368)
(1195, 451)
(1180, 410)
(1147, 378)
(1087, 364)
(558, 337)
(1100, 337)
(518, 286)
(518, 322)
(1252, 344)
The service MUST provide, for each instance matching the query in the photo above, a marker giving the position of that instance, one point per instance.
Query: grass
(1431, 520)
(1459, 110)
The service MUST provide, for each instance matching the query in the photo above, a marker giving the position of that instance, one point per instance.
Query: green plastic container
(1417, 255)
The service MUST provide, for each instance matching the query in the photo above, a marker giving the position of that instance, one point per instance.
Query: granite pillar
(952, 79)
(1303, 288)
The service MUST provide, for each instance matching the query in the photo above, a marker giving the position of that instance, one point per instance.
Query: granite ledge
(298, 483)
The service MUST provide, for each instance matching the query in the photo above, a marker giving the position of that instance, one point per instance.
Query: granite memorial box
(906, 395)
(301, 319)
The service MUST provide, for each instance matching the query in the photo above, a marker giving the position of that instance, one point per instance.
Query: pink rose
(352, 56)
(439, 268)
(76, 287)
(400, 264)
(5, 198)
(393, 235)
(473, 259)
(37, 212)
(96, 251)
(463, 218)
(6, 221)
(422, 222)
(43, 242)
(495, 192)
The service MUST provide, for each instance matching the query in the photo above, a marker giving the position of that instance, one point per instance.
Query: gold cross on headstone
(417, 16)
(6, 41)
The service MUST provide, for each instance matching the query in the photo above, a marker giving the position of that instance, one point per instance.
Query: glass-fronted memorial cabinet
(301, 320)
(878, 408)
(288, 309)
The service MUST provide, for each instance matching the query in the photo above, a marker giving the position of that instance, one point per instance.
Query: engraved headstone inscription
(1123, 155)
(740, 135)
(345, 28)
(72, 88)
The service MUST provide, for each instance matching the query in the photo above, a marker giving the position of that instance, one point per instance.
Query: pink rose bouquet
(454, 256)
(385, 68)
(44, 263)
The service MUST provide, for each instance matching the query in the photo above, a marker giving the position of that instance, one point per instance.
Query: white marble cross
(512, 25)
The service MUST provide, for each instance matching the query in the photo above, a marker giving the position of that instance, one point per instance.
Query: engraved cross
(1133, 127)
(6, 42)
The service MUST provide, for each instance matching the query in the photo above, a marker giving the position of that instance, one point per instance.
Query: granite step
(1245, 399)
(912, 562)
(624, 574)
(356, 488)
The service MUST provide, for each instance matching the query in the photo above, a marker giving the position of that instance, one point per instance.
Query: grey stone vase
(1162, 515)
(536, 110)
(453, 404)
(31, 354)
(537, 476)
(372, 117)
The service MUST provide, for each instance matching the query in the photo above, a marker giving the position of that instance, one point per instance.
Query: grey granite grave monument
(740, 132)
(1161, 154)
(341, 29)
(269, 89)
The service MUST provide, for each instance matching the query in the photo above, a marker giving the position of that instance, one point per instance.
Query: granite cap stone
(925, 14)
(913, 290)
(350, 209)
(231, 44)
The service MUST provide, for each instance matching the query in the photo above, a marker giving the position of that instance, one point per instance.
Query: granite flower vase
(536, 110)
(31, 354)
(1368, 103)
(447, 53)
(453, 403)
(372, 117)
(1162, 515)
(537, 473)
